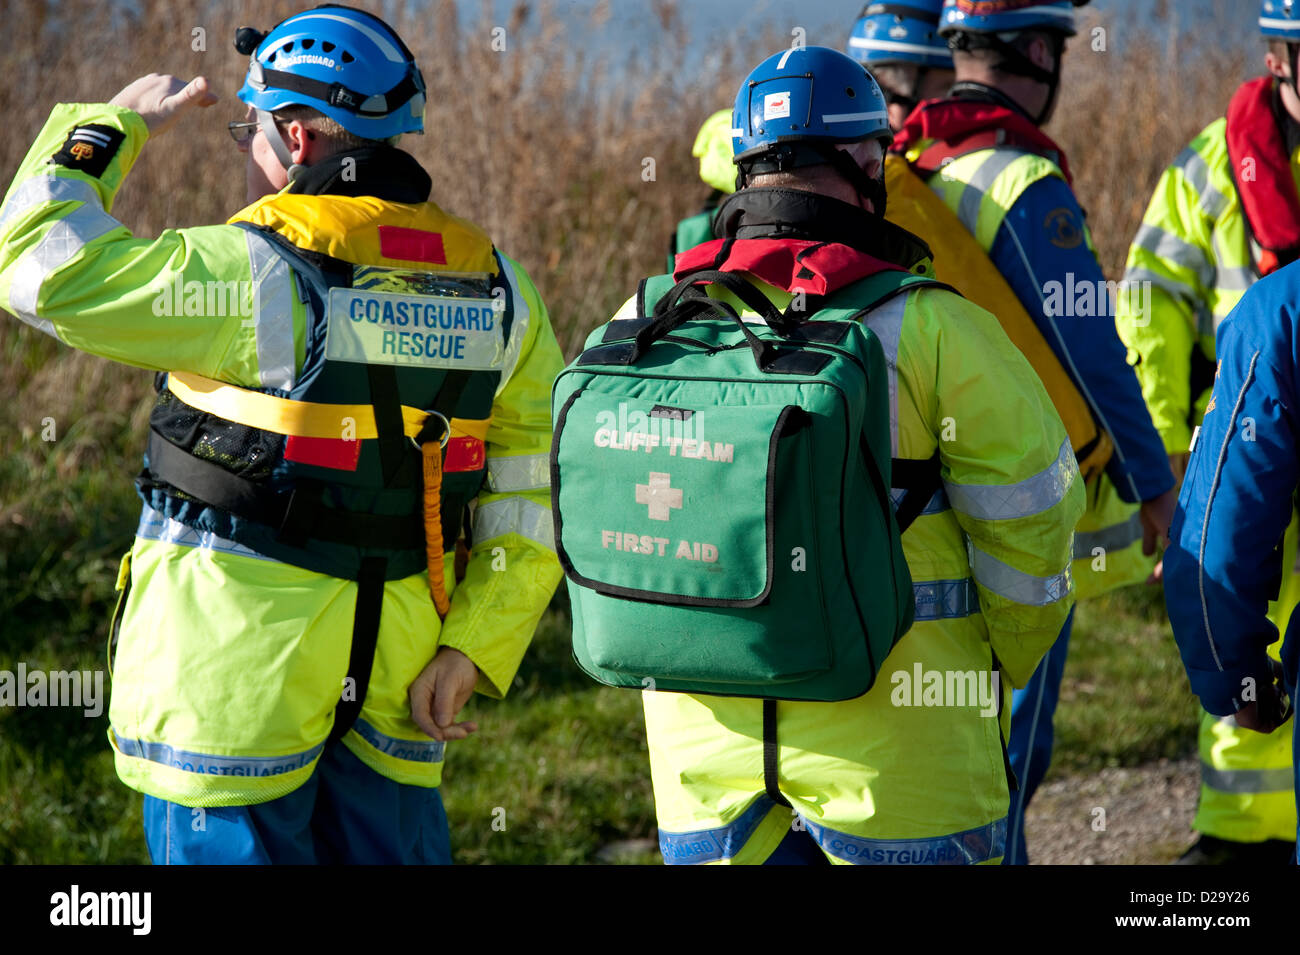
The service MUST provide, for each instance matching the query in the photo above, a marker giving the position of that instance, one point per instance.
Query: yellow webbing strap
(959, 261)
(304, 419)
(431, 452)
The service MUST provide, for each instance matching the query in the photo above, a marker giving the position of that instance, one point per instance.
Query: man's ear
(1040, 52)
(301, 141)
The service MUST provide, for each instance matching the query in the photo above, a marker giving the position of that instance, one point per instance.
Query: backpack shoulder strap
(845, 304)
(919, 478)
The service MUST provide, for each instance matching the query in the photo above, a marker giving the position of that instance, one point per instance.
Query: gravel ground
(1134, 816)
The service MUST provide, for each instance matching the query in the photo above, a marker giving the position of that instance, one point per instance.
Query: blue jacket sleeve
(1225, 563)
(1041, 250)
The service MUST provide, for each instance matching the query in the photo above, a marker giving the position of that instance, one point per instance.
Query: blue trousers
(1030, 748)
(344, 813)
(798, 848)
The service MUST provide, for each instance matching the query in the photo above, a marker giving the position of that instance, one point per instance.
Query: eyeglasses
(242, 132)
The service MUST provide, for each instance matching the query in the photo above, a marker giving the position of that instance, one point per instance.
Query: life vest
(363, 467)
(1261, 170)
(937, 133)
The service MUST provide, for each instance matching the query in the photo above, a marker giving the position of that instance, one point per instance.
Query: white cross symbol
(659, 495)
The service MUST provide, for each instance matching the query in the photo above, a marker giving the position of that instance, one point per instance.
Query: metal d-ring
(446, 429)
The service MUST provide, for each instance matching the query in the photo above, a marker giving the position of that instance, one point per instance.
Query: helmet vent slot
(347, 57)
(308, 44)
(327, 47)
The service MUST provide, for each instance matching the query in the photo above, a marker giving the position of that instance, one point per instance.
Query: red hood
(962, 126)
(796, 265)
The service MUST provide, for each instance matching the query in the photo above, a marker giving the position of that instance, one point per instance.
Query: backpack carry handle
(687, 301)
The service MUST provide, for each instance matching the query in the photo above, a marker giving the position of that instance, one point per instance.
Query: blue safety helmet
(348, 64)
(1008, 16)
(1280, 20)
(794, 108)
(807, 95)
(905, 33)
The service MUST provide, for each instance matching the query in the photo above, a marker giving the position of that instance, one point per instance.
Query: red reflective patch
(323, 452)
(416, 245)
(465, 454)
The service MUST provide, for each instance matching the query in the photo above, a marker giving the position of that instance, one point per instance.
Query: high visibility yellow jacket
(1193, 261)
(887, 777)
(229, 665)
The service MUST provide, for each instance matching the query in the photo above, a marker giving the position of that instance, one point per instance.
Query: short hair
(991, 57)
(330, 130)
(896, 77)
(805, 177)
(1279, 48)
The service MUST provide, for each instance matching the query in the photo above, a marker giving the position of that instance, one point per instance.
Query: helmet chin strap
(267, 123)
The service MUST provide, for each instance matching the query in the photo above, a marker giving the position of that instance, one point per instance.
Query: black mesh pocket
(248, 452)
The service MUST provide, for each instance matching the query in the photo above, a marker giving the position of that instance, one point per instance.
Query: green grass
(565, 760)
(1124, 698)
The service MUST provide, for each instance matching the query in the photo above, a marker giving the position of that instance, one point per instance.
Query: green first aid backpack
(721, 495)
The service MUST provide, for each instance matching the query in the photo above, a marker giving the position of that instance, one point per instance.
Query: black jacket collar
(776, 213)
(987, 94)
(383, 172)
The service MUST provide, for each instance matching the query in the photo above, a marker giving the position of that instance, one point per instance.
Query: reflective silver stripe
(1289, 27)
(415, 750)
(1016, 585)
(854, 117)
(1248, 780)
(272, 313)
(1235, 278)
(1176, 249)
(158, 527)
(523, 472)
(210, 765)
(518, 324)
(983, 844)
(1112, 538)
(945, 599)
(972, 198)
(67, 237)
(47, 189)
(514, 515)
(1209, 503)
(886, 323)
(1004, 502)
(892, 46)
(1197, 174)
